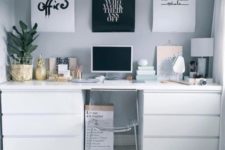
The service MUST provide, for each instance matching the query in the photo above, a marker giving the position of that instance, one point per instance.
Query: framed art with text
(53, 15)
(113, 15)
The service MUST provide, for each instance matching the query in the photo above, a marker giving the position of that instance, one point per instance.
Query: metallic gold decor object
(40, 70)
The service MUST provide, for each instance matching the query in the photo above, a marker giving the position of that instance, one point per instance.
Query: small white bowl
(143, 62)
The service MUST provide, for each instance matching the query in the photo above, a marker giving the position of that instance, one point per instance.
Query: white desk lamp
(179, 66)
(202, 48)
(179, 69)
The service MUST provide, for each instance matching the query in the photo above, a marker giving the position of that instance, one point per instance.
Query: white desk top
(69, 86)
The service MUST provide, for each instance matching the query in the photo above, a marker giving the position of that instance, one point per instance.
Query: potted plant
(20, 47)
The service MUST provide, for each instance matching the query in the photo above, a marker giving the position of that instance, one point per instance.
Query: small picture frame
(113, 15)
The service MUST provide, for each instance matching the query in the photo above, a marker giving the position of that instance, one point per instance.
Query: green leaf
(15, 40)
(27, 38)
(14, 57)
(35, 26)
(33, 32)
(35, 37)
(14, 50)
(23, 26)
(32, 40)
(16, 30)
(32, 48)
(17, 48)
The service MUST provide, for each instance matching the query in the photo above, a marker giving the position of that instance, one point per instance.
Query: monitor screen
(112, 59)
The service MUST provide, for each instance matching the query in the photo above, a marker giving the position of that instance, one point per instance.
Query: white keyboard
(117, 81)
(85, 80)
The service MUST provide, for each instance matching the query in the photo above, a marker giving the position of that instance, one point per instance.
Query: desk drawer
(185, 126)
(73, 143)
(180, 144)
(38, 125)
(42, 102)
(182, 103)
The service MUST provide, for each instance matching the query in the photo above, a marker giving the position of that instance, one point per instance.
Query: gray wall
(144, 41)
(6, 21)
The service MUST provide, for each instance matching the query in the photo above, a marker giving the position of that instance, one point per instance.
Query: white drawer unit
(181, 120)
(181, 126)
(50, 115)
(42, 102)
(42, 120)
(42, 125)
(62, 143)
(180, 144)
(182, 103)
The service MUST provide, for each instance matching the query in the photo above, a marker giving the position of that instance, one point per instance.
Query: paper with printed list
(99, 118)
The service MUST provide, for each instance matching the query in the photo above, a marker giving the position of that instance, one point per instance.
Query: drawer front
(74, 143)
(42, 102)
(182, 103)
(38, 125)
(191, 126)
(180, 144)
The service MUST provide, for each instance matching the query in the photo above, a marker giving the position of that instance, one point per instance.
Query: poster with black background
(113, 15)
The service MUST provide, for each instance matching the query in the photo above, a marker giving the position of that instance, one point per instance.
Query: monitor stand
(114, 76)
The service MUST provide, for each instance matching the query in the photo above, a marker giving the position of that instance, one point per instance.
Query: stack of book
(146, 73)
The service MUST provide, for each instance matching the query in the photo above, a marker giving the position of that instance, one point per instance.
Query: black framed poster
(113, 15)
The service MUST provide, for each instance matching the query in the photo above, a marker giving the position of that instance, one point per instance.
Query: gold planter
(21, 72)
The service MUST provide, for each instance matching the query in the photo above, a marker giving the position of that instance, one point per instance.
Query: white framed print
(174, 15)
(53, 15)
(166, 56)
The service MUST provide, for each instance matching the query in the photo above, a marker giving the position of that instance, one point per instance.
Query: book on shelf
(146, 77)
(146, 72)
(145, 67)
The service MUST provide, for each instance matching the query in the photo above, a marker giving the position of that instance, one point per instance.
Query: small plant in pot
(20, 48)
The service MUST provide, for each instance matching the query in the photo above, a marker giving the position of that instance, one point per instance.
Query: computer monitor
(112, 59)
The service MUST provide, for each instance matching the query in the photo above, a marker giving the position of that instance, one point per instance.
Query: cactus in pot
(20, 48)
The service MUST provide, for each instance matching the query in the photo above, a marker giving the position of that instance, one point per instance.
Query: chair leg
(89, 139)
(136, 137)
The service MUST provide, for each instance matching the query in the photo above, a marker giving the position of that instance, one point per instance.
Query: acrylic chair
(126, 112)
